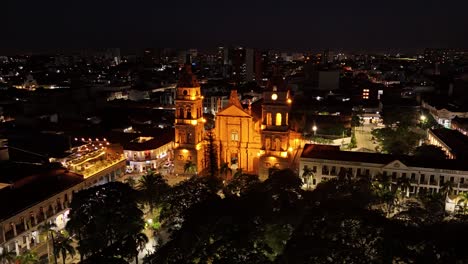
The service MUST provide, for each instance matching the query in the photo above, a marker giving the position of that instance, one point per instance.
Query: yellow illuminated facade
(238, 136)
(189, 124)
(278, 142)
(256, 138)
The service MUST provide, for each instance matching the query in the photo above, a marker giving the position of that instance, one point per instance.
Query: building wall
(238, 139)
(20, 232)
(443, 116)
(152, 158)
(434, 140)
(423, 180)
(189, 129)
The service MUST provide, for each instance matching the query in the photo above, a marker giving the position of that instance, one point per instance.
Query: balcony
(94, 166)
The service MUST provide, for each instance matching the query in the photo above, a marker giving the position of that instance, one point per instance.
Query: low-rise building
(32, 194)
(329, 162)
(454, 143)
(149, 152)
(460, 124)
(445, 113)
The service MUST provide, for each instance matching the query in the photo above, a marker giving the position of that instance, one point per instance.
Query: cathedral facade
(255, 138)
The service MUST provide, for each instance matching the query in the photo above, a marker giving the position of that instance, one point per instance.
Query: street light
(423, 118)
(314, 128)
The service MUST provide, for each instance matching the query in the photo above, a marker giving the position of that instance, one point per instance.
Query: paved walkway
(364, 139)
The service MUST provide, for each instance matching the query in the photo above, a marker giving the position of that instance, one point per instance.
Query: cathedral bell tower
(275, 129)
(189, 125)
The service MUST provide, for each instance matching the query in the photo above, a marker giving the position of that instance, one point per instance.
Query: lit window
(234, 136)
(278, 119)
(268, 119)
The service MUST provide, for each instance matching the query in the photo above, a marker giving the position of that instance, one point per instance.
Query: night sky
(404, 24)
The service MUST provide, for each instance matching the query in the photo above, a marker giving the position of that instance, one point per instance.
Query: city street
(364, 139)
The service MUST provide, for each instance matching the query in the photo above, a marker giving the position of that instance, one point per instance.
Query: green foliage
(131, 182)
(152, 188)
(356, 121)
(241, 184)
(7, 257)
(321, 140)
(28, 257)
(183, 196)
(63, 246)
(190, 167)
(251, 228)
(398, 141)
(353, 142)
(276, 236)
(212, 155)
(225, 170)
(401, 117)
(104, 218)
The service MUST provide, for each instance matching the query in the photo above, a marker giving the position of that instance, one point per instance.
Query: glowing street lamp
(423, 118)
(314, 128)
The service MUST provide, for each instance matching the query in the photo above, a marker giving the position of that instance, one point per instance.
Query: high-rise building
(250, 65)
(189, 124)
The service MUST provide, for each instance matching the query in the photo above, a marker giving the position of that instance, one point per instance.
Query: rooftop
(456, 141)
(326, 152)
(158, 138)
(30, 184)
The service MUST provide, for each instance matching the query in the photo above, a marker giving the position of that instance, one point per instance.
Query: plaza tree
(241, 184)
(28, 257)
(397, 141)
(64, 247)
(152, 188)
(7, 257)
(224, 170)
(190, 167)
(103, 219)
(49, 229)
(307, 175)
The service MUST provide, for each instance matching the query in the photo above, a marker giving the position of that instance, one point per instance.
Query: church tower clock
(189, 125)
(275, 129)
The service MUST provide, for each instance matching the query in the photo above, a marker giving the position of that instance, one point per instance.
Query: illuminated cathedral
(256, 138)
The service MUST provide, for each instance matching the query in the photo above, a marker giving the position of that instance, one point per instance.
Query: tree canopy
(104, 219)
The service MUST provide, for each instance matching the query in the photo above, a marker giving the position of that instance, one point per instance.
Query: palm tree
(64, 247)
(447, 188)
(224, 169)
(404, 184)
(140, 242)
(190, 167)
(381, 184)
(130, 181)
(49, 229)
(27, 257)
(7, 257)
(152, 187)
(239, 172)
(307, 175)
(463, 199)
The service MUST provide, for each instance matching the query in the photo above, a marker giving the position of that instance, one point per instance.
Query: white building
(329, 162)
(31, 195)
(444, 115)
(145, 153)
